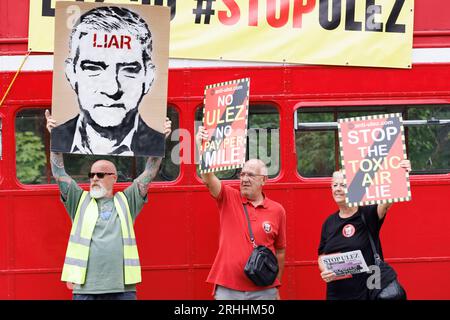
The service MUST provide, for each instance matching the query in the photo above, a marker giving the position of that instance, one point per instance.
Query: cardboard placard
(372, 148)
(110, 79)
(225, 117)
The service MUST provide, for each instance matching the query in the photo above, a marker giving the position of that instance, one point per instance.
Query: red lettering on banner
(272, 10)
(253, 13)
(300, 9)
(112, 41)
(277, 14)
(235, 13)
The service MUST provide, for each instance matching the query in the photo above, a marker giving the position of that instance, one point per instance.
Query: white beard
(97, 192)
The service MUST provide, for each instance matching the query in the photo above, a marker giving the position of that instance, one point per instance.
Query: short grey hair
(338, 174)
(262, 166)
(114, 18)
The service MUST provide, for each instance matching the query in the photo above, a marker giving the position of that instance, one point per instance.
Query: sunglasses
(100, 175)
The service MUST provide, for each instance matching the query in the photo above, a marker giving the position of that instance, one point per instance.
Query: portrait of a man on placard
(116, 65)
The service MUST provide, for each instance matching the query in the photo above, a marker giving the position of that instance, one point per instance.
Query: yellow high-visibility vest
(77, 254)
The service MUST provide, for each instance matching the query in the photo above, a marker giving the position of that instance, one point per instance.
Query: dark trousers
(129, 295)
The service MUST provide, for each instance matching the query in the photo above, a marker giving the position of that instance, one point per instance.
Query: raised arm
(151, 169)
(57, 163)
(383, 208)
(152, 165)
(209, 179)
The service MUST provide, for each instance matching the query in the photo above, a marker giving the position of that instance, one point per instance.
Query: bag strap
(252, 237)
(372, 243)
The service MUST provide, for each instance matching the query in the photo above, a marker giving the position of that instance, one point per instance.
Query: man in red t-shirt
(268, 222)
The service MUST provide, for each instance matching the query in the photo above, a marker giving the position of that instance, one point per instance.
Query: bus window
(170, 168)
(316, 154)
(426, 132)
(31, 142)
(263, 138)
(33, 145)
(428, 144)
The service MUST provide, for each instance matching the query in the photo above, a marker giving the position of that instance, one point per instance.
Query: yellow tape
(14, 79)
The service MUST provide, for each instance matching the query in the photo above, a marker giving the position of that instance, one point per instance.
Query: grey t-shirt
(105, 271)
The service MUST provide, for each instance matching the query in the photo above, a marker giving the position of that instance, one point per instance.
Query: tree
(30, 157)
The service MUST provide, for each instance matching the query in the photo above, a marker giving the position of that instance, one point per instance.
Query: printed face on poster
(110, 79)
(372, 148)
(225, 117)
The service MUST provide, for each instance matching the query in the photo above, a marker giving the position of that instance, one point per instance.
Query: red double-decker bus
(292, 116)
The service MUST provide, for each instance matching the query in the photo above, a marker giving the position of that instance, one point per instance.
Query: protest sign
(351, 33)
(225, 117)
(110, 79)
(342, 264)
(372, 148)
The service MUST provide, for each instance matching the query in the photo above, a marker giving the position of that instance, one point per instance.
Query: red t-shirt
(268, 221)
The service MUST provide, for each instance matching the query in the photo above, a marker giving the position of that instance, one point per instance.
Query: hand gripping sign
(225, 117)
(372, 148)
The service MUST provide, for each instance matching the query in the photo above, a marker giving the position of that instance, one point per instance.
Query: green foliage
(30, 157)
(315, 152)
(429, 146)
(315, 149)
(263, 137)
(31, 134)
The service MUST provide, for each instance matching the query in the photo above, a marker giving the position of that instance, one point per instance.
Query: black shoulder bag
(262, 265)
(390, 288)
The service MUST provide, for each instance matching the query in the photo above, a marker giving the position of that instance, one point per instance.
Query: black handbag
(262, 265)
(390, 288)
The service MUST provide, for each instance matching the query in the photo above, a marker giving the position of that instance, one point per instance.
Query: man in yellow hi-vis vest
(102, 260)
